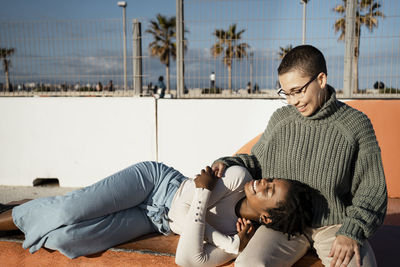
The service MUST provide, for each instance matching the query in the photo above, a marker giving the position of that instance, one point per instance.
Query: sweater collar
(328, 109)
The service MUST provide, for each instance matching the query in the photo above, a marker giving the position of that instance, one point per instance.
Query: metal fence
(269, 28)
(85, 57)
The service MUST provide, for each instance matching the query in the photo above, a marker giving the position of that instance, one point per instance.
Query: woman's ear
(322, 80)
(265, 219)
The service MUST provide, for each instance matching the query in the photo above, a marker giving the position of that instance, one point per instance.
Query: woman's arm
(220, 248)
(369, 195)
(250, 162)
(192, 250)
(369, 198)
(228, 243)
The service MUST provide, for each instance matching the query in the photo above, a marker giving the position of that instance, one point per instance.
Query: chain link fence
(63, 56)
(85, 57)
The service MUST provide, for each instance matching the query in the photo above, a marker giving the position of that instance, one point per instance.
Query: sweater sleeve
(192, 250)
(368, 208)
(250, 162)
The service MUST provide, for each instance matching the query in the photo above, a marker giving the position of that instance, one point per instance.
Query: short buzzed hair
(304, 58)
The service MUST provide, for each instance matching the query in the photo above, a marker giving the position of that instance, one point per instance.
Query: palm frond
(284, 50)
(216, 50)
(366, 14)
(339, 9)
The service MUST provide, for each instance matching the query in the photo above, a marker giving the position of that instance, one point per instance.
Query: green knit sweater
(334, 151)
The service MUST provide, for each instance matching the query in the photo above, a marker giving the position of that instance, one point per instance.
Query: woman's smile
(302, 108)
(254, 185)
(313, 98)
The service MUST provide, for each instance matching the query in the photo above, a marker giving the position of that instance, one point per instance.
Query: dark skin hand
(245, 232)
(206, 179)
(218, 168)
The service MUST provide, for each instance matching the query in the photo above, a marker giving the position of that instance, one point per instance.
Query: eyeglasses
(298, 93)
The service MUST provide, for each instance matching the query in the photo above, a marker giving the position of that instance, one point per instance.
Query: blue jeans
(125, 205)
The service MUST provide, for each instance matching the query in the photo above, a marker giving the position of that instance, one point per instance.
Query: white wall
(194, 133)
(77, 140)
(81, 140)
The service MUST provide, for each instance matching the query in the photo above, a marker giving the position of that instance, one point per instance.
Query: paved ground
(12, 193)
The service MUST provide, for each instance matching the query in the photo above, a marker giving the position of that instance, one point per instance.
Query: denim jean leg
(95, 235)
(122, 190)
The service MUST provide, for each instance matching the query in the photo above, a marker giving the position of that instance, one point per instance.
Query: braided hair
(293, 215)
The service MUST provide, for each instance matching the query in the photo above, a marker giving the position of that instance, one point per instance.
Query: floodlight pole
(180, 82)
(348, 82)
(137, 58)
(123, 4)
(304, 2)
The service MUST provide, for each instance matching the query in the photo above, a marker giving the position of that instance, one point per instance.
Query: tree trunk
(230, 79)
(7, 81)
(167, 77)
(354, 79)
(356, 56)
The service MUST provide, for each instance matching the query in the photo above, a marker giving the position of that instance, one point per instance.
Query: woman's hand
(343, 250)
(245, 232)
(206, 179)
(218, 168)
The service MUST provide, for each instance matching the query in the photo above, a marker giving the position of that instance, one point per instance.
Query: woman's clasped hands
(206, 179)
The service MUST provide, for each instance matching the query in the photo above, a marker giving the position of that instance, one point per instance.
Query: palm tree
(367, 14)
(284, 50)
(4, 54)
(163, 46)
(228, 45)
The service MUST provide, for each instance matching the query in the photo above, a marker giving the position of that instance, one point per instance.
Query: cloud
(93, 64)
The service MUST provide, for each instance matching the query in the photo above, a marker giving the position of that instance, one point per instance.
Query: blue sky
(268, 25)
(82, 9)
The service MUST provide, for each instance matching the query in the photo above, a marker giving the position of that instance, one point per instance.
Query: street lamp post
(304, 2)
(251, 69)
(123, 4)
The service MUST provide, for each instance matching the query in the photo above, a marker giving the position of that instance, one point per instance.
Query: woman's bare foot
(18, 202)
(6, 220)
